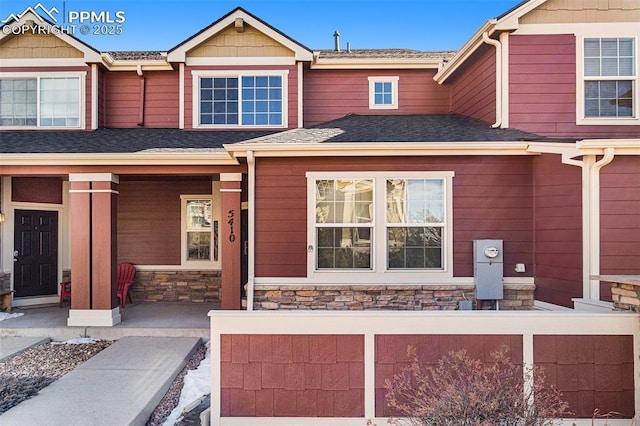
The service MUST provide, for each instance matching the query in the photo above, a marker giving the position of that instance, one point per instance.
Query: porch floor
(168, 319)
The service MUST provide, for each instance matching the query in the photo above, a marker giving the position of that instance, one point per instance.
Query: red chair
(126, 273)
(65, 291)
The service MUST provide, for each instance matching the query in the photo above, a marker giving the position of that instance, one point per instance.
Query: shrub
(461, 391)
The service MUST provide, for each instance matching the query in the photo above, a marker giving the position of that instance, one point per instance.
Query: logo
(47, 21)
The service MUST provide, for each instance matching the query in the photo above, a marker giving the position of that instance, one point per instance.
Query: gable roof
(90, 54)
(178, 53)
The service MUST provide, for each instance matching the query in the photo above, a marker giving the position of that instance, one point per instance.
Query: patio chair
(126, 273)
(65, 291)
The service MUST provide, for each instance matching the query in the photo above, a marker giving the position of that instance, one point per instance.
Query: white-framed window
(607, 90)
(240, 99)
(200, 231)
(383, 92)
(380, 222)
(48, 100)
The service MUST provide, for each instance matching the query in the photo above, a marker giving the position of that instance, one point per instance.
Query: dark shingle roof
(120, 141)
(399, 128)
(385, 54)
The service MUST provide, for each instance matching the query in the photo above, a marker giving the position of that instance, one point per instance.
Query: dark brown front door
(35, 253)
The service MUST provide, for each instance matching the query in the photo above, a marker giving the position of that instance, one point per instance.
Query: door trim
(8, 246)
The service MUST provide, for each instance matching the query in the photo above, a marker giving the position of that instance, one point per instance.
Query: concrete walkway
(10, 346)
(119, 386)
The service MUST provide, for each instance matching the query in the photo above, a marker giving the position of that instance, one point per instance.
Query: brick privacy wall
(626, 297)
(391, 355)
(592, 372)
(382, 297)
(176, 286)
(292, 376)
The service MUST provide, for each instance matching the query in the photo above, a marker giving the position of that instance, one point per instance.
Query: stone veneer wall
(177, 286)
(625, 293)
(5, 281)
(382, 297)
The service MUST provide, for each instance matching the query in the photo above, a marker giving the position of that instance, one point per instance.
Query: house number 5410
(230, 217)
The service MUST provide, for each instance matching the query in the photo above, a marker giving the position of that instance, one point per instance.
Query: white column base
(94, 317)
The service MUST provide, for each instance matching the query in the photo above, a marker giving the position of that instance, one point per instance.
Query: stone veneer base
(382, 297)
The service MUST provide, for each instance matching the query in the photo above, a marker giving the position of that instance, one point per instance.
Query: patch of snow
(197, 383)
(5, 315)
(77, 341)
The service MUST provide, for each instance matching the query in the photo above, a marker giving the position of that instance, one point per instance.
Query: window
(383, 92)
(200, 230)
(380, 222)
(609, 80)
(240, 100)
(49, 102)
(415, 220)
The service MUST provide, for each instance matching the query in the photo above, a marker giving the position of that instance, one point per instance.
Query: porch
(176, 319)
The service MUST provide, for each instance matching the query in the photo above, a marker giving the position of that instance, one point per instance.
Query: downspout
(498, 46)
(141, 97)
(590, 219)
(251, 163)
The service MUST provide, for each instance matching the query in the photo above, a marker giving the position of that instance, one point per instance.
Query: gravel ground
(25, 374)
(170, 399)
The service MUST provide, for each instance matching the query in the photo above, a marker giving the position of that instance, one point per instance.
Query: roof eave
(465, 52)
(351, 63)
(121, 159)
(329, 149)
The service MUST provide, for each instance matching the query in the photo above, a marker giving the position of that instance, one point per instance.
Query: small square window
(383, 92)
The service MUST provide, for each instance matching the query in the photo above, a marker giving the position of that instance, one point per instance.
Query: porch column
(231, 189)
(93, 213)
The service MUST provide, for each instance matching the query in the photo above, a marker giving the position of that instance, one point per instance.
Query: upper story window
(239, 99)
(609, 81)
(383, 92)
(380, 222)
(45, 101)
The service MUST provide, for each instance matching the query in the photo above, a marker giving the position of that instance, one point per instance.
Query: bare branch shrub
(461, 391)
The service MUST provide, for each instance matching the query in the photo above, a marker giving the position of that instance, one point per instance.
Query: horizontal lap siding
(542, 88)
(330, 94)
(149, 219)
(473, 91)
(558, 230)
(122, 92)
(492, 199)
(620, 218)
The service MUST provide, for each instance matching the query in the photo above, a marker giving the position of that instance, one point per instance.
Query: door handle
(15, 255)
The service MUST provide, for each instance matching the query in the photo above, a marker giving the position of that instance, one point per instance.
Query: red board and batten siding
(292, 90)
(558, 230)
(473, 89)
(330, 94)
(122, 91)
(619, 219)
(492, 199)
(542, 89)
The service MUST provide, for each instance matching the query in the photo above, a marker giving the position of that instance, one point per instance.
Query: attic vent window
(239, 24)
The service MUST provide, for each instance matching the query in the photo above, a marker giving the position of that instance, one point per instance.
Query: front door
(35, 253)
